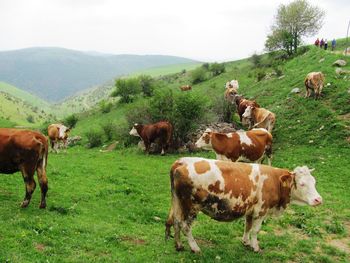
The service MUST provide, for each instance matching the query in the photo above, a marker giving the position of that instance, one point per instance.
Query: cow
(231, 90)
(242, 104)
(25, 151)
(162, 130)
(314, 81)
(251, 146)
(259, 118)
(185, 88)
(226, 191)
(58, 133)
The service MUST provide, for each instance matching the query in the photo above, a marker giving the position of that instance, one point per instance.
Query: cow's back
(53, 132)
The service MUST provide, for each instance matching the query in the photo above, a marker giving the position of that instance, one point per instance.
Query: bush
(198, 75)
(217, 68)
(256, 60)
(109, 130)
(260, 75)
(94, 138)
(147, 85)
(105, 106)
(223, 109)
(162, 105)
(138, 113)
(30, 119)
(126, 89)
(70, 121)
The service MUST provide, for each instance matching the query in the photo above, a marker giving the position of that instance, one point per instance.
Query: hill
(21, 108)
(56, 73)
(111, 206)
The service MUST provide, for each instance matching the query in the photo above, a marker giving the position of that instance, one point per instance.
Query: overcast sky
(205, 30)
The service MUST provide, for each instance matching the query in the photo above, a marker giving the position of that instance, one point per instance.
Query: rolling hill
(56, 73)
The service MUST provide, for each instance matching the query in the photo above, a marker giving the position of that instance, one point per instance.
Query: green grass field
(111, 207)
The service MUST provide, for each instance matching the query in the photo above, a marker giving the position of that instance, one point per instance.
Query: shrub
(162, 105)
(70, 121)
(260, 75)
(94, 138)
(138, 113)
(109, 130)
(223, 109)
(105, 106)
(256, 60)
(30, 119)
(217, 68)
(126, 89)
(198, 75)
(147, 85)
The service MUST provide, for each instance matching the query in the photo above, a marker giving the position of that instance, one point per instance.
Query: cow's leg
(247, 228)
(169, 223)
(186, 228)
(28, 177)
(41, 173)
(254, 233)
(52, 142)
(178, 218)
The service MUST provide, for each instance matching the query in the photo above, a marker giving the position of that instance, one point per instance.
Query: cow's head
(230, 94)
(204, 142)
(304, 188)
(134, 129)
(63, 132)
(248, 112)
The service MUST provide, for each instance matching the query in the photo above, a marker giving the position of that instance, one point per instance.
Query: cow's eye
(302, 184)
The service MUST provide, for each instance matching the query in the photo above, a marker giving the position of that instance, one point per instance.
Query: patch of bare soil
(204, 242)
(341, 244)
(40, 247)
(132, 240)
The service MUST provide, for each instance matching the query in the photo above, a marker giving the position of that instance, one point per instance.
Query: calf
(231, 90)
(58, 133)
(185, 88)
(226, 191)
(259, 118)
(251, 146)
(242, 104)
(314, 81)
(162, 130)
(25, 151)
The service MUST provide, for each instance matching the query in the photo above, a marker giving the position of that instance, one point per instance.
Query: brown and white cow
(226, 191)
(185, 88)
(314, 81)
(162, 130)
(259, 118)
(242, 104)
(58, 133)
(231, 90)
(251, 146)
(25, 151)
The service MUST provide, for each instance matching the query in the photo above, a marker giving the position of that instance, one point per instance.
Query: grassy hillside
(57, 73)
(89, 98)
(107, 207)
(21, 108)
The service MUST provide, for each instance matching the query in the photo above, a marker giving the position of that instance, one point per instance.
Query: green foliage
(162, 105)
(256, 60)
(260, 74)
(109, 130)
(217, 68)
(223, 109)
(94, 138)
(105, 106)
(198, 75)
(292, 22)
(30, 119)
(127, 89)
(147, 84)
(71, 120)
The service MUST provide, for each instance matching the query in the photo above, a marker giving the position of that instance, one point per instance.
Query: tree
(292, 22)
(198, 75)
(217, 68)
(147, 85)
(126, 89)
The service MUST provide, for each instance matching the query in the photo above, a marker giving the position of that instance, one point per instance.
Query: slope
(56, 73)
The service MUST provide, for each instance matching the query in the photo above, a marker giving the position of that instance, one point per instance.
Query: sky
(204, 30)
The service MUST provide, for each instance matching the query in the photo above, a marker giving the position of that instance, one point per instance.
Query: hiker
(317, 42)
(325, 44)
(333, 44)
(321, 43)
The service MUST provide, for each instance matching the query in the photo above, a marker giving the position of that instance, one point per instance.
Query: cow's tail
(268, 147)
(43, 152)
(170, 221)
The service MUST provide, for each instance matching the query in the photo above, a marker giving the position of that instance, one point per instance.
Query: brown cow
(58, 133)
(251, 146)
(231, 90)
(259, 118)
(226, 191)
(25, 151)
(242, 104)
(314, 81)
(162, 130)
(185, 88)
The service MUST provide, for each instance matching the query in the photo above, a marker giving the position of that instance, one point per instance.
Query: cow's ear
(286, 180)
(68, 129)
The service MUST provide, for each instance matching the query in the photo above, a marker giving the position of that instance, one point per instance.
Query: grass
(111, 207)
(107, 207)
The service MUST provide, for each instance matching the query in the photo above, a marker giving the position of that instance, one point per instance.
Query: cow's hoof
(180, 248)
(25, 203)
(196, 251)
(42, 206)
(245, 243)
